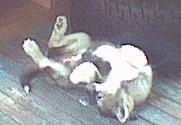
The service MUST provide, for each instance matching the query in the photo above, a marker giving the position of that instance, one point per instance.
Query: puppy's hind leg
(58, 32)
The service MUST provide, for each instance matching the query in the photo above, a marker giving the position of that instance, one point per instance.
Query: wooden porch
(51, 105)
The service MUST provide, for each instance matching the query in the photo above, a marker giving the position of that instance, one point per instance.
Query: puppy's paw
(30, 46)
(60, 25)
(27, 89)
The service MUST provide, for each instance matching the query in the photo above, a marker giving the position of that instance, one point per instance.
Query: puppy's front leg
(32, 49)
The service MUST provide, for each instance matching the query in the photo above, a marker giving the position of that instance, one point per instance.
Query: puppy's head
(114, 105)
(105, 103)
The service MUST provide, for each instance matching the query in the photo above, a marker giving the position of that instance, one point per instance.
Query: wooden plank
(167, 90)
(166, 105)
(173, 80)
(66, 103)
(10, 105)
(70, 103)
(157, 117)
(6, 120)
(17, 112)
(36, 105)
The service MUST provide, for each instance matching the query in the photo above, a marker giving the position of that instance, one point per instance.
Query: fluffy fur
(122, 67)
(133, 56)
(85, 73)
(130, 94)
(118, 63)
(118, 96)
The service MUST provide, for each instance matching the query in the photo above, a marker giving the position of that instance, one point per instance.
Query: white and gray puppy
(127, 85)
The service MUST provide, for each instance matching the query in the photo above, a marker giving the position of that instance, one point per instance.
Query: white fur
(126, 63)
(133, 55)
(85, 72)
(107, 53)
(26, 88)
(120, 69)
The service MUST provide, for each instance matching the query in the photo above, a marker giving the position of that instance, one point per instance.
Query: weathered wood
(157, 117)
(167, 90)
(173, 80)
(36, 105)
(6, 120)
(19, 113)
(166, 105)
(69, 103)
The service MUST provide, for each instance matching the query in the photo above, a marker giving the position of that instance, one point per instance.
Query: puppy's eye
(99, 96)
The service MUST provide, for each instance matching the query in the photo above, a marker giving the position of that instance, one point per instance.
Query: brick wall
(110, 16)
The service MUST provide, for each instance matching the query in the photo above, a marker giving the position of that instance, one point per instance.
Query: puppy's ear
(119, 113)
(122, 113)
